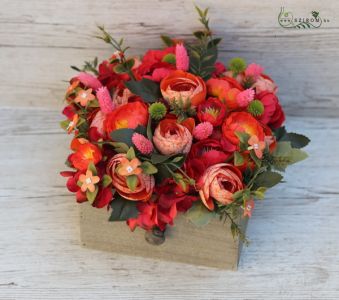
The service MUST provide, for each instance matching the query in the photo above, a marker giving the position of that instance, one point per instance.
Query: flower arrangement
(175, 131)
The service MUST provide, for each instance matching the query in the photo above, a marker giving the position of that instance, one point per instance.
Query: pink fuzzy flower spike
(245, 97)
(254, 70)
(182, 60)
(89, 80)
(203, 130)
(105, 100)
(143, 144)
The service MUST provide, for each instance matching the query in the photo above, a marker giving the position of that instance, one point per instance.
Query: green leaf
(199, 34)
(159, 158)
(177, 159)
(119, 69)
(242, 136)
(148, 168)
(132, 182)
(106, 180)
(167, 40)
(91, 195)
(285, 155)
(130, 153)
(123, 135)
(255, 158)
(123, 209)
(147, 89)
(260, 193)
(268, 179)
(120, 147)
(238, 159)
(199, 215)
(129, 64)
(64, 124)
(297, 140)
(149, 128)
(280, 132)
(214, 42)
(92, 168)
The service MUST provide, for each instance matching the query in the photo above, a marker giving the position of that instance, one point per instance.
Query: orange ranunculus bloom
(145, 185)
(185, 86)
(171, 137)
(219, 182)
(129, 115)
(85, 153)
(226, 90)
(243, 122)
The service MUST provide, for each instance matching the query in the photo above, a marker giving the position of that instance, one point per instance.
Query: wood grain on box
(211, 245)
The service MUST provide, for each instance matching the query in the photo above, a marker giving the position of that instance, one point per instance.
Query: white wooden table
(294, 232)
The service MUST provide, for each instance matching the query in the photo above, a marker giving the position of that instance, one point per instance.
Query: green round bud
(169, 58)
(237, 65)
(256, 108)
(157, 111)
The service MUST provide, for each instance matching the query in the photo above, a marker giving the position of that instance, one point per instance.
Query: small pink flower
(143, 144)
(265, 85)
(245, 97)
(248, 208)
(256, 145)
(89, 81)
(105, 100)
(254, 70)
(182, 59)
(203, 130)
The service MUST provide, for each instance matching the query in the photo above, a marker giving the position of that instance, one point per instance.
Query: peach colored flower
(248, 208)
(144, 189)
(120, 97)
(256, 145)
(84, 96)
(88, 181)
(73, 123)
(98, 122)
(219, 182)
(265, 84)
(72, 86)
(128, 167)
(172, 138)
(180, 85)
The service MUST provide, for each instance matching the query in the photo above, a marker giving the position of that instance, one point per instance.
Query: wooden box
(211, 245)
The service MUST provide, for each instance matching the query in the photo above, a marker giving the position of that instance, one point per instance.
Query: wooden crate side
(211, 245)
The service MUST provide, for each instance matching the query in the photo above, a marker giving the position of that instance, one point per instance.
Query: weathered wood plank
(303, 62)
(294, 233)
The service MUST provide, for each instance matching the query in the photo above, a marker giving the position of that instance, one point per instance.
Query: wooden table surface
(294, 233)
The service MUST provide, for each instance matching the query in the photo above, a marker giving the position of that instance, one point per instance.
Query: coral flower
(144, 188)
(219, 182)
(226, 90)
(212, 110)
(72, 86)
(248, 208)
(241, 122)
(88, 181)
(84, 154)
(84, 96)
(172, 138)
(256, 145)
(183, 86)
(128, 167)
(129, 115)
(73, 123)
(265, 84)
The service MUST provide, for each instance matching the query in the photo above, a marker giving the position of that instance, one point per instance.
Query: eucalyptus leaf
(147, 89)
(123, 135)
(123, 209)
(268, 179)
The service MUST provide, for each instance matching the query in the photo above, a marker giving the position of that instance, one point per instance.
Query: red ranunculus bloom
(243, 122)
(129, 115)
(273, 114)
(204, 154)
(212, 110)
(84, 154)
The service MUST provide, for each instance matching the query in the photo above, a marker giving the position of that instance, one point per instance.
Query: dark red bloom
(109, 78)
(219, 69)
(273, 114)
(212, 110)
(204, 154)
